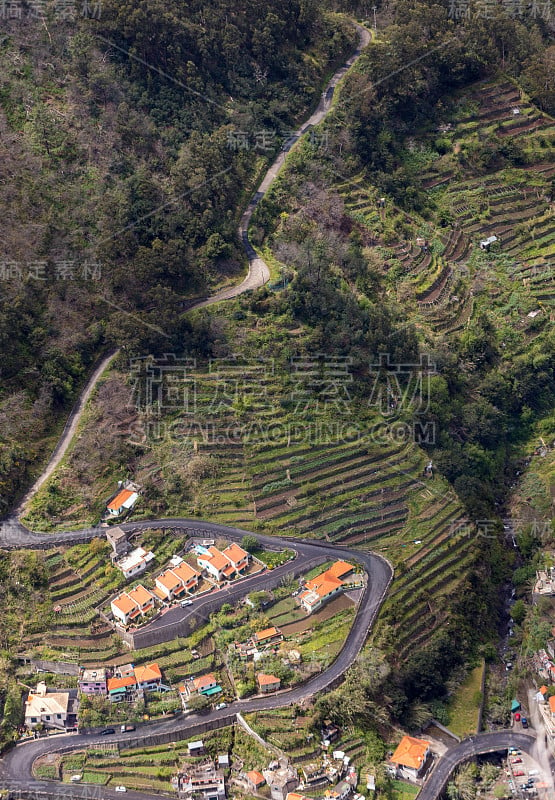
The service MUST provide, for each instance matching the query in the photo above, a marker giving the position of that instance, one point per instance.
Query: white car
(220, 706)
(186, 603)
(121, 789)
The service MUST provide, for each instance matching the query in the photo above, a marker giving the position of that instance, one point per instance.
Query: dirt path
(68, 432)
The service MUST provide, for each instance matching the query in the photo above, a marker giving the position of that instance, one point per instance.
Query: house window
(33, 719)
(47, 717)
(58, 716)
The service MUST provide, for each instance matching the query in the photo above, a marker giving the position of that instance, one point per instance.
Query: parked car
(75, 778)
(121, 789)
(524, 722)
(220, 705)
(516, 761)
(107, 731)
(126, 728)
(518, 773)
(517, 717)
(186, 603)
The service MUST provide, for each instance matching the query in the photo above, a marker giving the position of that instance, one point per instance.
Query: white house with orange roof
(130, 606)
(123, 501)
(410, 757)
(237, 556)
(222, 565)
(177, 581)
(148, 676)
(323, 587)
(267, 683)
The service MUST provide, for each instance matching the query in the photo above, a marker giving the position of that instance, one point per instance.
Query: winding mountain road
(16, 765)
(258, 272)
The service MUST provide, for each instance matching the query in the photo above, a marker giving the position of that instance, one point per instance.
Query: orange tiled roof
(543, 689)
(410, 752)
(169, 580)
(256, 777)
(185, 572)
(267, 633)
(124, 603)
(338, 569)
(266, 680)
(324, 584)
(204, 680)
(235, 553)
(150, 672)
(216, 558)
(120, 499)
(121, 683)
(552, 704)
(140, 595)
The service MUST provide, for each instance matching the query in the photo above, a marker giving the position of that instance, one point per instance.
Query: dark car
(107, 731)
(524, 722)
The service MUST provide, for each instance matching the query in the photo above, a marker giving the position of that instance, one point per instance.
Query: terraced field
(439, 281)
(82, 579)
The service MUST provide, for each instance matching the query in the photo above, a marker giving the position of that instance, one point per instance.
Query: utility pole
(375, 23)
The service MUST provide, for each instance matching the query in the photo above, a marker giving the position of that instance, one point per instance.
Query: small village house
(123, 502)
(204, 782)
(410, 757)
(177, 581)
(129, 606)
(148, 677)
(196, 748)
(267, 636)
(222, 565)
(255, 780)
(267, 683)
(281, 781)
(121, 688)
(136, 562)
(51, 709)
(237, 556)
(323, 587)
(93, 681)
(118, 541)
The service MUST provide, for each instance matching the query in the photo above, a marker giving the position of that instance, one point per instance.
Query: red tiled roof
(121, 683)
(410, 752)
(256, 777)
(267, 633)
(235, 553)
(148, 672)
(119, 499)
(266, 680)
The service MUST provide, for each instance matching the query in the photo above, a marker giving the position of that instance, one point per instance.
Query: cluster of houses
(206, 781)
(179, 580)
(544, 661)
(259, 645)
(338, 578)
(545, 582)
(126, 682)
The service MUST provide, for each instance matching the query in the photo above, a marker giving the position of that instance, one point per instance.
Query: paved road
(259, 273)
(476, 745)
(15, 767)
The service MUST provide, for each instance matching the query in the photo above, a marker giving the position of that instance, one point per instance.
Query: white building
(136, 562)
(55, 709)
